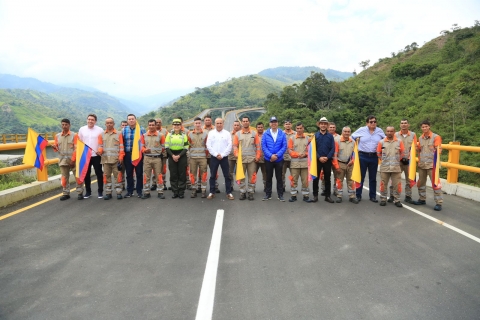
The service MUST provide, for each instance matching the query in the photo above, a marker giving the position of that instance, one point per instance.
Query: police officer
(177, 147)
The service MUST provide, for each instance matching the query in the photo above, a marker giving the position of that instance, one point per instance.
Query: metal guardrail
(20, 137)
(452, 165)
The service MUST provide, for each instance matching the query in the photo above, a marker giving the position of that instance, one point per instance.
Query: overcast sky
(143, 47)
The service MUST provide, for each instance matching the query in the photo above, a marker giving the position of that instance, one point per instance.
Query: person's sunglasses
(374, 121)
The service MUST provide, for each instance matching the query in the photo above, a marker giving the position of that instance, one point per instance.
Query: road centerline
(207, 293)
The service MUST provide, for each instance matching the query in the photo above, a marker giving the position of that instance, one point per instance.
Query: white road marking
(440, 222)
(207, 294)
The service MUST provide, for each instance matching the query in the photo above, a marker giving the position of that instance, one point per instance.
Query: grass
(16, 179)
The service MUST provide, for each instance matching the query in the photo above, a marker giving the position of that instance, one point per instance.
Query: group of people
(208, 146)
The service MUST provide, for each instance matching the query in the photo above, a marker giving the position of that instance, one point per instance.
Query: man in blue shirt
(325, 151)
(368, 136)
(274, 144)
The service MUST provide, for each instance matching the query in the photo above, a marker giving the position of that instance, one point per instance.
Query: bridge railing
(19, 137)
(452, 165)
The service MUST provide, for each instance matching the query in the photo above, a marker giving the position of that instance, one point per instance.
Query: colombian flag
(357, 173)
(412, 165)
(34, 150)
(312, 159)
(137, 146)
(239, 174)
(83, 159)
(436, 170)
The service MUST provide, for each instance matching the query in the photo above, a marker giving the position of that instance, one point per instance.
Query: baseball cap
(177, 121)
(273, 119)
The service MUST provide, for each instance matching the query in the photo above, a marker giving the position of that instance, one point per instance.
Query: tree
(354, 72)
(455, 27)
(444, 32)
(414, 46)
(407, 48)
(364, 64)
(393, 54)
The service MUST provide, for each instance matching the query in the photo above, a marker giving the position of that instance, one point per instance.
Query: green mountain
(439, 81)
(291, 75)
(239, 92)
(20, 109)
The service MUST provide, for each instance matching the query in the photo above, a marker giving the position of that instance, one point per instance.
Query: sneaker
(383, 203)
(250, 196)
(119, 197)
(353, 200)
(266, 198)
(281, 198)
(145, 196)
(230, 196)
(398, 204)
(243, 196)
(438, 207)
(64, 197)
(211, 196)
(408, 199)
(87, 195)
(293, 199)
(128, 195)
(390, 199)
(100, 195)
(80, 197)
(160, 196)
(107, 197)
(153, 187)
(419, 202)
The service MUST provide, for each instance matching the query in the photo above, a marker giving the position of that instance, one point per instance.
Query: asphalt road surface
(146, 259)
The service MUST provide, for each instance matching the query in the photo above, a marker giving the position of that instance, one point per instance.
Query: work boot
(243, 196)
(80, 197)
(328, 199)
(250, 196)
(339, 200)
(398, 204)
(323, 193)
(353, 200)
(315, 199)
(145, 196)
(160, 196)
(204, 195)
(194, 194)
(64, 197)
(119, 197)
(390, 199)
(293, 199)
(408, 199)
(107, 197)
(153, 187)
(199, 190)
(438, 207)
(306, 199)
(419, 202)
(383, 203)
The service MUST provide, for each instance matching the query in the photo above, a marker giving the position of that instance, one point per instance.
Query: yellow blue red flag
(83, 155)
(356, 172)
(312, 159)
(412, 164)
(240, 173)
(436, 170)
(34, 150)
(137, 146)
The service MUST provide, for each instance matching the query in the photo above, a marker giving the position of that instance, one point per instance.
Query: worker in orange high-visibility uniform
(153, 143)
(298, 151)
(197, 139)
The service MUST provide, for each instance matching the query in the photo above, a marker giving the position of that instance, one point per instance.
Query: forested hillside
(20, 109)
(291, 75)
(439, 81)
(238, 92)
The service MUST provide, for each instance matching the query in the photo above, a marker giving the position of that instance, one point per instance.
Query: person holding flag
(64, 144)
(429, 149)
(89, 136)
(274, 144)
(298, 151)
(133, 160)
(408, 138)
(345, 161)
(246, 147)
(325, 146)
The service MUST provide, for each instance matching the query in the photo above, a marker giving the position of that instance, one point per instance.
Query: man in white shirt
(89, 135)
(219, 144)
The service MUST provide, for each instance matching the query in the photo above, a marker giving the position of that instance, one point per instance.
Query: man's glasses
(373, 121)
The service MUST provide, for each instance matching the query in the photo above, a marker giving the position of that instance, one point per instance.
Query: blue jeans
(214, 164)
(368, 162)
(129, 167)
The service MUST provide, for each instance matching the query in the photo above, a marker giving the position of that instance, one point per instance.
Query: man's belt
(344, 162)
(370, 154)
(156, 156)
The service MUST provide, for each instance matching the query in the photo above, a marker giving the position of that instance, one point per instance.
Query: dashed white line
(207, 294)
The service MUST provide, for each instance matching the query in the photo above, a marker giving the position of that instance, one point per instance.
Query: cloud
(147, 47)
